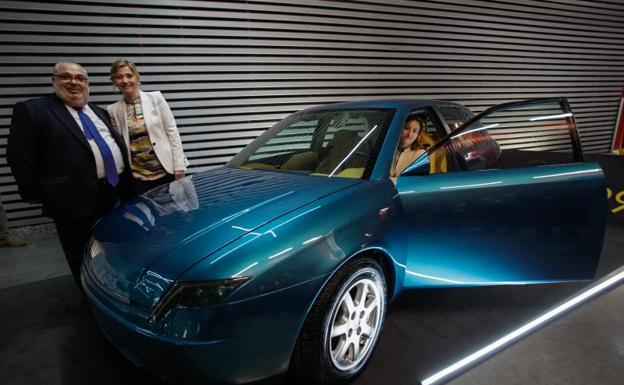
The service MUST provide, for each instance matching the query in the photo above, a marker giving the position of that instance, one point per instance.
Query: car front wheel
(343, 326)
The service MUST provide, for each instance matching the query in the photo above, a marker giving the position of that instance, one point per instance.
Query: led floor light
(608, 282)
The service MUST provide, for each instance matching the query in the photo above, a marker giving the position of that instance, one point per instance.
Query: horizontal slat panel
(32, 221)
(231, 69)
(276, 88)
(24, 42)
(198, 60)
(258, 10)
(326, 32)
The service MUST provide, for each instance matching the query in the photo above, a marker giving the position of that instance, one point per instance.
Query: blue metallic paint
(255, 337)
(276, 300)
(509, 226)
(291, 232)
(231, 204)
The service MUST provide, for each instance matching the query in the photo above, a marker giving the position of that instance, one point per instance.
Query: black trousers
(74, 233)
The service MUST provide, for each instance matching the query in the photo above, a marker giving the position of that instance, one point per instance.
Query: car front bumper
(253, 339)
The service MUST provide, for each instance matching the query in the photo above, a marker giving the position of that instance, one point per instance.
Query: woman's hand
(178, 174)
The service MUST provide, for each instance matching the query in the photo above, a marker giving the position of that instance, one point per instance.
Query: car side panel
(528, 225)
(308, 243)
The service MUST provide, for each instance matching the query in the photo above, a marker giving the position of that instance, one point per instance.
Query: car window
(337, 143)
(469, 150)
(454, 115)
(522, 135)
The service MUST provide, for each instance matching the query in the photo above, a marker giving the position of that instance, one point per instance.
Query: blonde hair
(123, 63)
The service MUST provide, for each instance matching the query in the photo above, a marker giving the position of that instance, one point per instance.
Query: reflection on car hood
(144, 245)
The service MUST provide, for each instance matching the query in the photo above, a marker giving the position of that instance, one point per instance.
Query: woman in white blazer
(146, 123)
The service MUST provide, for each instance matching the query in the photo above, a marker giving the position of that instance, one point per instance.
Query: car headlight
(192, 295)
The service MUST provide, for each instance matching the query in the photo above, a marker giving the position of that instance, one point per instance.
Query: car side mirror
(421, 166)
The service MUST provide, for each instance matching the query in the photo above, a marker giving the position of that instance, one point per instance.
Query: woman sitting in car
(409, 148)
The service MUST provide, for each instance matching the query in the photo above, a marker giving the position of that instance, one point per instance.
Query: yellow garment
(425, 140)
(438, 162)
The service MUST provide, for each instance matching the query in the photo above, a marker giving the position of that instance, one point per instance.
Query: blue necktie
(91, 132)
(141, 215)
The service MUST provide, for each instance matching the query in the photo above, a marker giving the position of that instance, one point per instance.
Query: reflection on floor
(48, 336)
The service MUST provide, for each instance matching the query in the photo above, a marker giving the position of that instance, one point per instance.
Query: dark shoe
(11, 242)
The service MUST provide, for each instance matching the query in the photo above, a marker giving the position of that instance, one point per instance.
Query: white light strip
(244, 229)
(352, 151)
(470, 185)
(292, 219)
(568, 173)
(474, 130)
(432, 277)
(566, 115)
(241, 228)
(474, 283)
(255, 236)
(280, 253)
(312, 240)
(204, 231)
(527, 328)
(245, 269)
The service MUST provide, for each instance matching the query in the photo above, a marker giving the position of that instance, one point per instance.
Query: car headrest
(345, 138)
(339, 147)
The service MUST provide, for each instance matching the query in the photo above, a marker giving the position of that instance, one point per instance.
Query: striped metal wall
(230, 69)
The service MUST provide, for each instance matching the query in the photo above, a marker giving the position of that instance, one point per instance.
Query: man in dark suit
(64, 154)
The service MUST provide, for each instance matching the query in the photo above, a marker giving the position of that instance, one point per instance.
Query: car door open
(507, 200)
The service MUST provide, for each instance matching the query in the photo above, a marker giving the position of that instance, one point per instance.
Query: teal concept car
(284, 260)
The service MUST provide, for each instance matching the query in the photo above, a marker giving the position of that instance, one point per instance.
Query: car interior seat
(339, 147)
(303, 161)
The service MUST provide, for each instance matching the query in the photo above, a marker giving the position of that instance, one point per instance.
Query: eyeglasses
(66, 78)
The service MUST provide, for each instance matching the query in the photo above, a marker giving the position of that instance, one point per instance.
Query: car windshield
(331, 143)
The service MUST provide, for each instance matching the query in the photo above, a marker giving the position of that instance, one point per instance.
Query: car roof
(386, 103)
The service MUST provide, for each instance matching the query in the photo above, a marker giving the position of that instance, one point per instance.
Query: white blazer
(161, 128)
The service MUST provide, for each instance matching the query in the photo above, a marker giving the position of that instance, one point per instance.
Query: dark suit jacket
(52, 161)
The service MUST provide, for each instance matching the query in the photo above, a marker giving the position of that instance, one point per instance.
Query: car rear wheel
(343, 326)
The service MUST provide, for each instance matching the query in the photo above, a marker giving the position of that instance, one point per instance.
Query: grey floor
(48, 336)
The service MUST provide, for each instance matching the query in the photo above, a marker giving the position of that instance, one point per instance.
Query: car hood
(140, 249)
